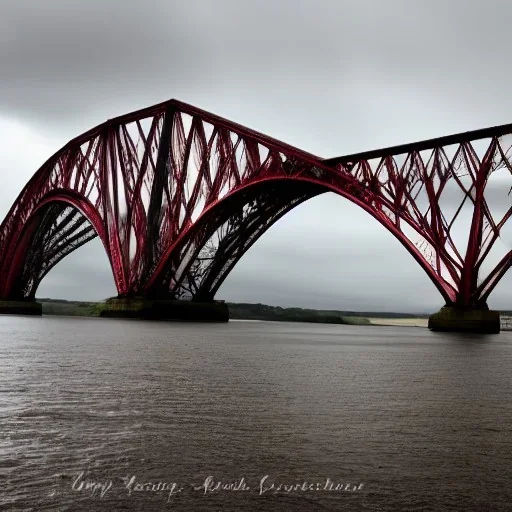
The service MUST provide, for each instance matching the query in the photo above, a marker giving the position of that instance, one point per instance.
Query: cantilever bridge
(177, 195)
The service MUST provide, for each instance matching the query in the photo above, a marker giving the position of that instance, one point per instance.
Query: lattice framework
(177, 195)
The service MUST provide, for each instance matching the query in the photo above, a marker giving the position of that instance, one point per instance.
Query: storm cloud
(330, 77)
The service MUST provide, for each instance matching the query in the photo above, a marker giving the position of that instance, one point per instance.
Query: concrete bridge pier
(165, 309)
(20, 307)
(451, 318)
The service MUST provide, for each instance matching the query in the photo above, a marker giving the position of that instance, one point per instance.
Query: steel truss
(177, 195)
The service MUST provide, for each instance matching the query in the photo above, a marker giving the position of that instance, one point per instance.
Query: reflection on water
(125, 415)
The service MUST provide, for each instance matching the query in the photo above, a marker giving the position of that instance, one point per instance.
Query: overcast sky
(329, 76)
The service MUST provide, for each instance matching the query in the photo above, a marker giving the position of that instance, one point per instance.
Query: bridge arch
(306, 188)
(156, 183)
(60, 223)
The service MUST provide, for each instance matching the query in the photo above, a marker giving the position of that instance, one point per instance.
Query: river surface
(100, 414)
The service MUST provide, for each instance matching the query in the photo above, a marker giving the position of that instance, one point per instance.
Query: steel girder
(177, 195)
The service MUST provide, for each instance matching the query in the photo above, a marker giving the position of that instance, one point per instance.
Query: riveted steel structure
(177, 195)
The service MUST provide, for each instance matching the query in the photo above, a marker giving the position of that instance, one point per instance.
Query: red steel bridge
(177, 195)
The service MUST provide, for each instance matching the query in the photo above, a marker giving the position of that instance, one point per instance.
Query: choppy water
(412, 420)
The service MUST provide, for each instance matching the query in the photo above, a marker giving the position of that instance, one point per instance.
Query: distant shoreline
(373, 322)
(258, 312)
(399, 322)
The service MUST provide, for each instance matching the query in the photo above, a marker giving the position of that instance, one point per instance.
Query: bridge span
(177, 195)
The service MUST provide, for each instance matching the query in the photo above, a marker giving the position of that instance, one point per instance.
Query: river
(100, 414)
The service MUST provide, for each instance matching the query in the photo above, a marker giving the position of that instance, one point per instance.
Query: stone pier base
(20, 307)
(452, 319)
(162, 309)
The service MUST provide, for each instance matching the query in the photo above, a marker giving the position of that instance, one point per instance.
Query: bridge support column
(165, 309)
(470, 320)
(20, 307)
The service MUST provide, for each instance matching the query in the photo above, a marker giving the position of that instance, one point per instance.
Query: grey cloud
(83, 275)
(331, 77)
(77, 63)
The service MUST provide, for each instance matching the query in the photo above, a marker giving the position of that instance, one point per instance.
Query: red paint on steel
(175, 192)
